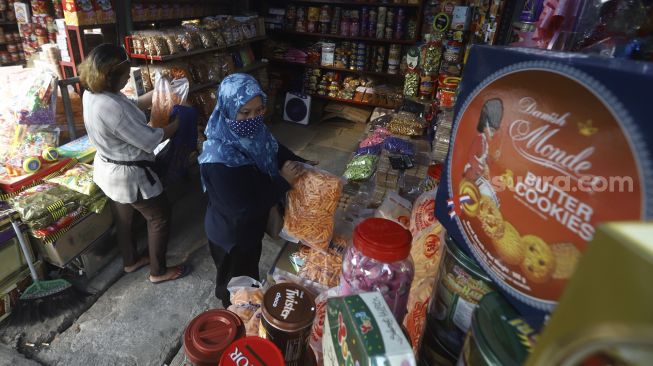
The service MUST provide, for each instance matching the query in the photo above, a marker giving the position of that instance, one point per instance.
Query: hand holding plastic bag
(166, 95)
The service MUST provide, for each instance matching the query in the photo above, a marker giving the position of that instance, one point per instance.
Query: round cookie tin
(460, 287)
(498, 336)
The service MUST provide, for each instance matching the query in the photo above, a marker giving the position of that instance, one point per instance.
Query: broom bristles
(41, 305)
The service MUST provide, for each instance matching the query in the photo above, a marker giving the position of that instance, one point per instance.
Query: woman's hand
(291, 170)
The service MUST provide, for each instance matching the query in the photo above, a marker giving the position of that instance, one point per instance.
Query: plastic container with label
(287, 315)
(380, 261)
(208, 335)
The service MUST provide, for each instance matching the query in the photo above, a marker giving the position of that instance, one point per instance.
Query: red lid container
(382, 239)
(209, 334)
(252, 351)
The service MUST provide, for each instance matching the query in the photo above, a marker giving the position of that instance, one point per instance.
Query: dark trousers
(242, 260)
(156, 212)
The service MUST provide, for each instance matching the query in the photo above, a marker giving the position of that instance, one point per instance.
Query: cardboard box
(361, 330)
(23, 13)
(79, 12)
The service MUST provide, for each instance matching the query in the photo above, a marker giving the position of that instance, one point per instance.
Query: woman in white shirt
(125, 143)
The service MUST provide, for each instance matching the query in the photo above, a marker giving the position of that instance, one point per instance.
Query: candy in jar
(380, 261)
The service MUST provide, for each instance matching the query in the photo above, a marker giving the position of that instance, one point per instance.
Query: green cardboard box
(361, 330)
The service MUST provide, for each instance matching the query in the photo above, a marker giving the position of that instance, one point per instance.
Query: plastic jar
(380, 261)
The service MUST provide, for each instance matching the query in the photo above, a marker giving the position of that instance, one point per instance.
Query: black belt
(143, 164)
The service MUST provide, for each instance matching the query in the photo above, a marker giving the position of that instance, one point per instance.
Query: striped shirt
(119, 131)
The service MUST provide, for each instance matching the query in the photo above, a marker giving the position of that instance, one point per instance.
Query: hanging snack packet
(79, 178)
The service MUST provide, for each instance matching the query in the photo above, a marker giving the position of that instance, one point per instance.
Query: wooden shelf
(350, 101)
(8, 23)
(254, 66)
(356, 3)
(331, 68)
(348, 38)
(195, 52)
(90, 26)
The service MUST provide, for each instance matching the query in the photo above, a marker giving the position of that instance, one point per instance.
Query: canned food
(496, 336)
(461, 285)
(287, 315)
(447, 91)
(432, 352)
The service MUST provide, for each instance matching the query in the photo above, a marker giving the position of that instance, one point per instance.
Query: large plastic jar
(379, 260)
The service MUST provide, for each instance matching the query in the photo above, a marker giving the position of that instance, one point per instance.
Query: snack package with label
(78, 178)
(310, 208)
(361, 330)
(166, 95)
(317, 330)
(246, 296)
(46, 199)
(60, 224)
(29, 141)
(319, 266)
(395, 208)
(530, 175)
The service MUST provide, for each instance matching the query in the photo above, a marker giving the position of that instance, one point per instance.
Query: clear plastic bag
(78, 178)
(310, 208)
(360, 167)
(315, 339)
(36, 102)
(166, 95)
(246, 296)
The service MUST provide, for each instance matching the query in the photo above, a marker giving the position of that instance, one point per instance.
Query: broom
(42, 299)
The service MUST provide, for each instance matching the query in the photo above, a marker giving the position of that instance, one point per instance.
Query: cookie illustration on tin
(510, 247)
(539, 261)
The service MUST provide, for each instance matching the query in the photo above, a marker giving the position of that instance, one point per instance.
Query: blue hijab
(223, 145)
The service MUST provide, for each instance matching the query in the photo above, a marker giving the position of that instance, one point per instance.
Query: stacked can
(380, 59)
(354, 29)
(359, 56)
(365, 21)
(389, 24)
(380, 22)
(371, 30)
(313, 18)
(399, 26)
(394, 59)
(345, 24)
(335, 20)
(300, 24)
(325, 19)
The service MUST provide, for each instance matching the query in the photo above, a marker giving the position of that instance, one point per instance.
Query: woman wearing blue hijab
(245, 173)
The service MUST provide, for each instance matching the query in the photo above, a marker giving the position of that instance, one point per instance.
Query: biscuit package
(545, 147)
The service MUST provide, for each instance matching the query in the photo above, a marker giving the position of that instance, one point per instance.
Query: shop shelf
(254, 66)
(331, 68)
(189, 53)
(350, 101)
(356, 3)
(348, 38)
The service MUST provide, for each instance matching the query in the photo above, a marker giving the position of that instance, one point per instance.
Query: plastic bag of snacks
(318, 266)
(361, 167)
(166, 95)
(310, 208)
(246, 296)
(395, 208)
(79, 178)
(369, 150)
(396, 145)
(36, 102)
(60, 224)
(43, 200)
(29, 142)
(406, 123)
(173, 43)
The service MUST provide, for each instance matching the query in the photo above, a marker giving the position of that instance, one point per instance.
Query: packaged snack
(60, 224)
(360, 167)
(369, 150)
(318, 266)
(317, 331)
(36, 102)
(246, 296)
(173, 43)
(166, 95)
(396, 145)
(311, 205)
(46, 199)
(207, 39)
(395, 208)
(406, 123)
(79, 178)
(355, 323)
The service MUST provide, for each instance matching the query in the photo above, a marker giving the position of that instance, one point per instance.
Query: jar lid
(255, 351)
(288, 306)
(382, 239)
(209, 334)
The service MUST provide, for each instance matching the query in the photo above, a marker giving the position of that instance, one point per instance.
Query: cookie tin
(546, 146)
(461, 285)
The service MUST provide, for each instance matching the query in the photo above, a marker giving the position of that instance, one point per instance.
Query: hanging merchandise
(427, 81)
(380, 261)
(523, 158)
(411, 83)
